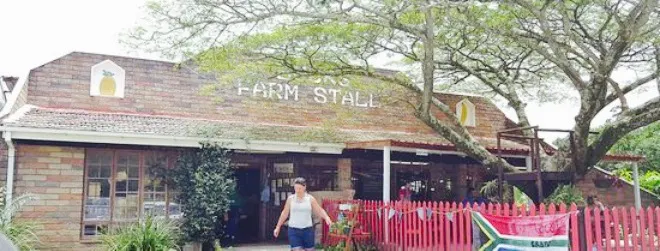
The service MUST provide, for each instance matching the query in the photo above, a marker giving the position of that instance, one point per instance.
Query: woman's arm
(320, 211)
(285, 213)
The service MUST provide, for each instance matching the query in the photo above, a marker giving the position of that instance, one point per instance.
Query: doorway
(248, 190)
(418, 178)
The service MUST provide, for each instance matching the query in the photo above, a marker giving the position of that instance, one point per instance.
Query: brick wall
(3, 162)
(55, 175)
(344, 174)
(154, 87)
(614, 196)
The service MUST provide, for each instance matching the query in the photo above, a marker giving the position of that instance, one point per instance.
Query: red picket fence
(449, 226)
(622, 229)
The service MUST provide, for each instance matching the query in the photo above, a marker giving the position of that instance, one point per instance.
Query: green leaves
(21, 233)
(566, 194)
(150, 234)
(204, 179)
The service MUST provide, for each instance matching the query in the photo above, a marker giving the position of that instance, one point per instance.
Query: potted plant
(347, 227)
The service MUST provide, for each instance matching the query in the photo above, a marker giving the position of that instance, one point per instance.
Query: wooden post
(638, 199)
(537, 148)
(500, 171)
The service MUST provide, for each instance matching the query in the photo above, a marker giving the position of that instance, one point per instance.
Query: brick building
(82, 131)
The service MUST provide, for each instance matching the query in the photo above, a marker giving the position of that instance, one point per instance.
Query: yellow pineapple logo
(108, 86)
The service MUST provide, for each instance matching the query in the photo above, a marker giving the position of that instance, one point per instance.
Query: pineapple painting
(465, 113)
(108, 85)
(107, 80)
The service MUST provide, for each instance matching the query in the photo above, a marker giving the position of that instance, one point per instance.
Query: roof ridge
(123, 56)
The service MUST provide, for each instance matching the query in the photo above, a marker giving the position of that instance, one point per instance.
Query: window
(466, 113)
(320, 173)
(121, 186)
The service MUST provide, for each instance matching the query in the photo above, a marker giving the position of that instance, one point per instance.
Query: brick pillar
(344, 174)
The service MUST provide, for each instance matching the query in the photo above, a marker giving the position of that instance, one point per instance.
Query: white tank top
(300, 215)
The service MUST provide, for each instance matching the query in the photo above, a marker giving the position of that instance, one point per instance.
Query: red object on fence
(608, 229)
(616, 229)
(588, 229)
(449, 226)
(650, 224)
(626, 241)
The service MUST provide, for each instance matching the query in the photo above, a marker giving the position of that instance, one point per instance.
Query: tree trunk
(428, 66)
(657, 66)
(581, 144)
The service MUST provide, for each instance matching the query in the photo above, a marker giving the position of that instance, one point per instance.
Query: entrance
(418, 178)
(248, 185)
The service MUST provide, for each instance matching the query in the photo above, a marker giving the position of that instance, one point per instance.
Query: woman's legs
(301, 239)
(308, 239)
(295, 239)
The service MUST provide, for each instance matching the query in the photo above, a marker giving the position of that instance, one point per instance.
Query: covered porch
(435, 171)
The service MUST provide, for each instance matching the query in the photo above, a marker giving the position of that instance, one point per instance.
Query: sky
(35, 32)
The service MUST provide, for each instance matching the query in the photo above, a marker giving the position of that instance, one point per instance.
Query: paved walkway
(272, 247)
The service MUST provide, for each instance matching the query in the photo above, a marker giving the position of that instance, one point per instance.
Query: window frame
(142, 168)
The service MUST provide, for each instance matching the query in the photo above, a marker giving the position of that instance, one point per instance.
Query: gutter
(11, 157)
(167, 140)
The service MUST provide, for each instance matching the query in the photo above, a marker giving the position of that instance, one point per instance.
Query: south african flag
(503, 233)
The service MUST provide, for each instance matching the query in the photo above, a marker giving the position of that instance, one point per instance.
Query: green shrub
(566, 194)
(21, 233)
(205, 179)
(150, 234)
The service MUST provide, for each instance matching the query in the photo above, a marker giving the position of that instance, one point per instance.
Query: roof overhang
(407, 146)
(74, 136)
(57, 135)
(623, 158)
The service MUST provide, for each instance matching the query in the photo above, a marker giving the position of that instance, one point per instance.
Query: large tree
(587, 42)
(508, 48)
(535, 45)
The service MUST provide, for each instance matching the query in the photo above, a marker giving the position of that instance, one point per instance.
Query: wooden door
(281, 173)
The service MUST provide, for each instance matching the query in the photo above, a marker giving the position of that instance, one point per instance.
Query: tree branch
(619, 94)
(428, 63)
(628, 88)
(657, 66)
(631, 120)
(468, 146)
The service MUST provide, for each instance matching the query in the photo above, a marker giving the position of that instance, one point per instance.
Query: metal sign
(283, 167)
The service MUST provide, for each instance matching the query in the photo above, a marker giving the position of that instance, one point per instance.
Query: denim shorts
(301, 238)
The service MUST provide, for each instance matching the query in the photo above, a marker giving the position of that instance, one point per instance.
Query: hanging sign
(283, 167)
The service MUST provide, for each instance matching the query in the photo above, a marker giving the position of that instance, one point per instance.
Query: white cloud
(35, 32)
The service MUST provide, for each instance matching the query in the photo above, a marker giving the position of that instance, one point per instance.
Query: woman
(298, 209)
(405, 193)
